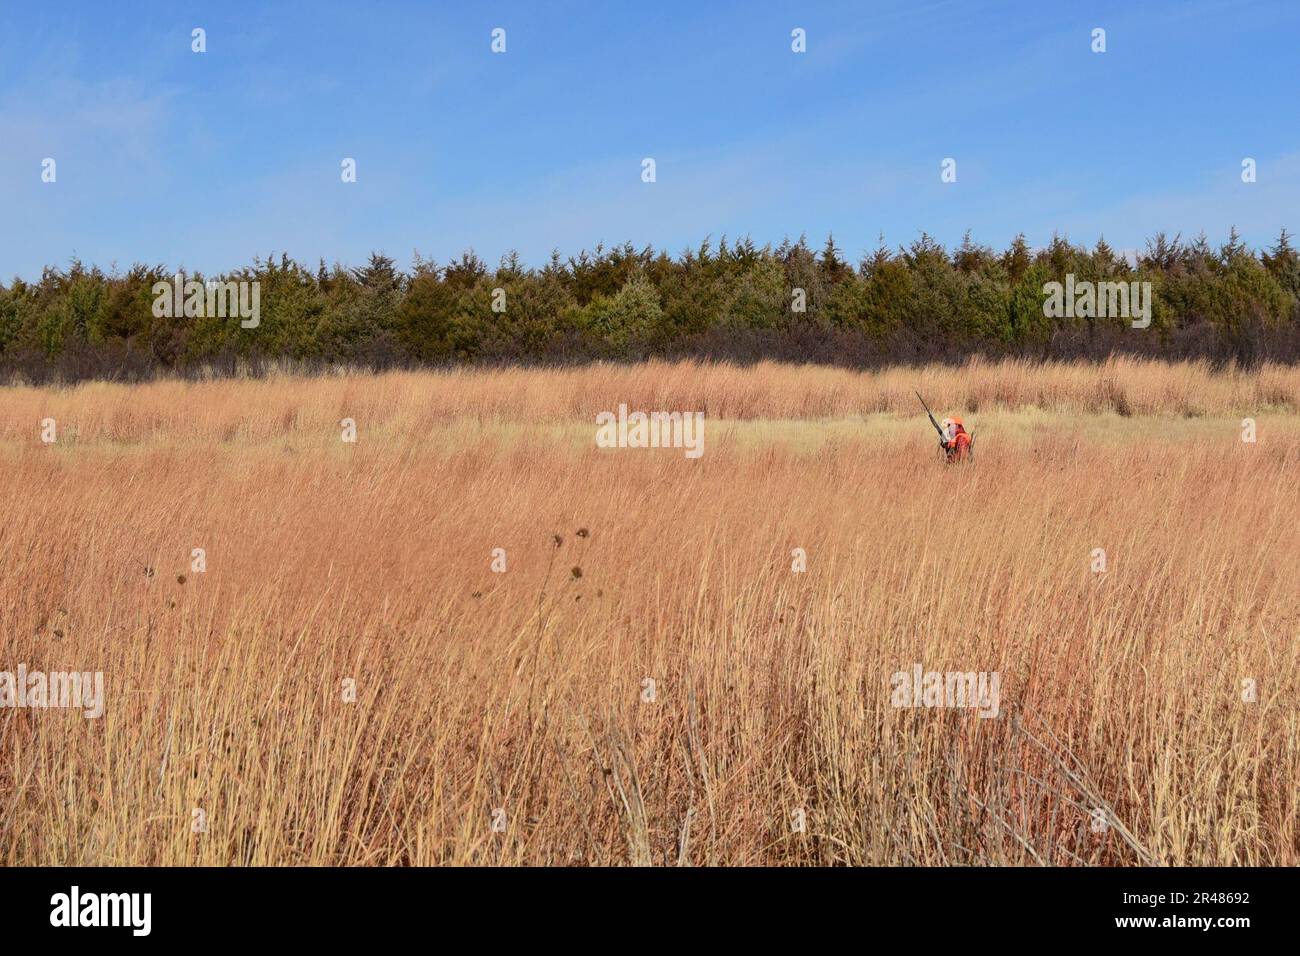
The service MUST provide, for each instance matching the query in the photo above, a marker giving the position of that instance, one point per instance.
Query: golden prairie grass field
(348, 681)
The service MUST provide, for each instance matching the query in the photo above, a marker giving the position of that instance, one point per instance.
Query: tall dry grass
(525, 691)
(230, 409)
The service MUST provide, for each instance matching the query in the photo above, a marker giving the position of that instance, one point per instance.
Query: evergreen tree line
(734, 301)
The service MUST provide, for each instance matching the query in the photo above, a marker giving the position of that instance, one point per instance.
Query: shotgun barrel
(943, 439)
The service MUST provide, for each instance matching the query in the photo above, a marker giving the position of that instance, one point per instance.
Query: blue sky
(167, 156)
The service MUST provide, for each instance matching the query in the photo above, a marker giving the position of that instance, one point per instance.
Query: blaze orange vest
(959, 446)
